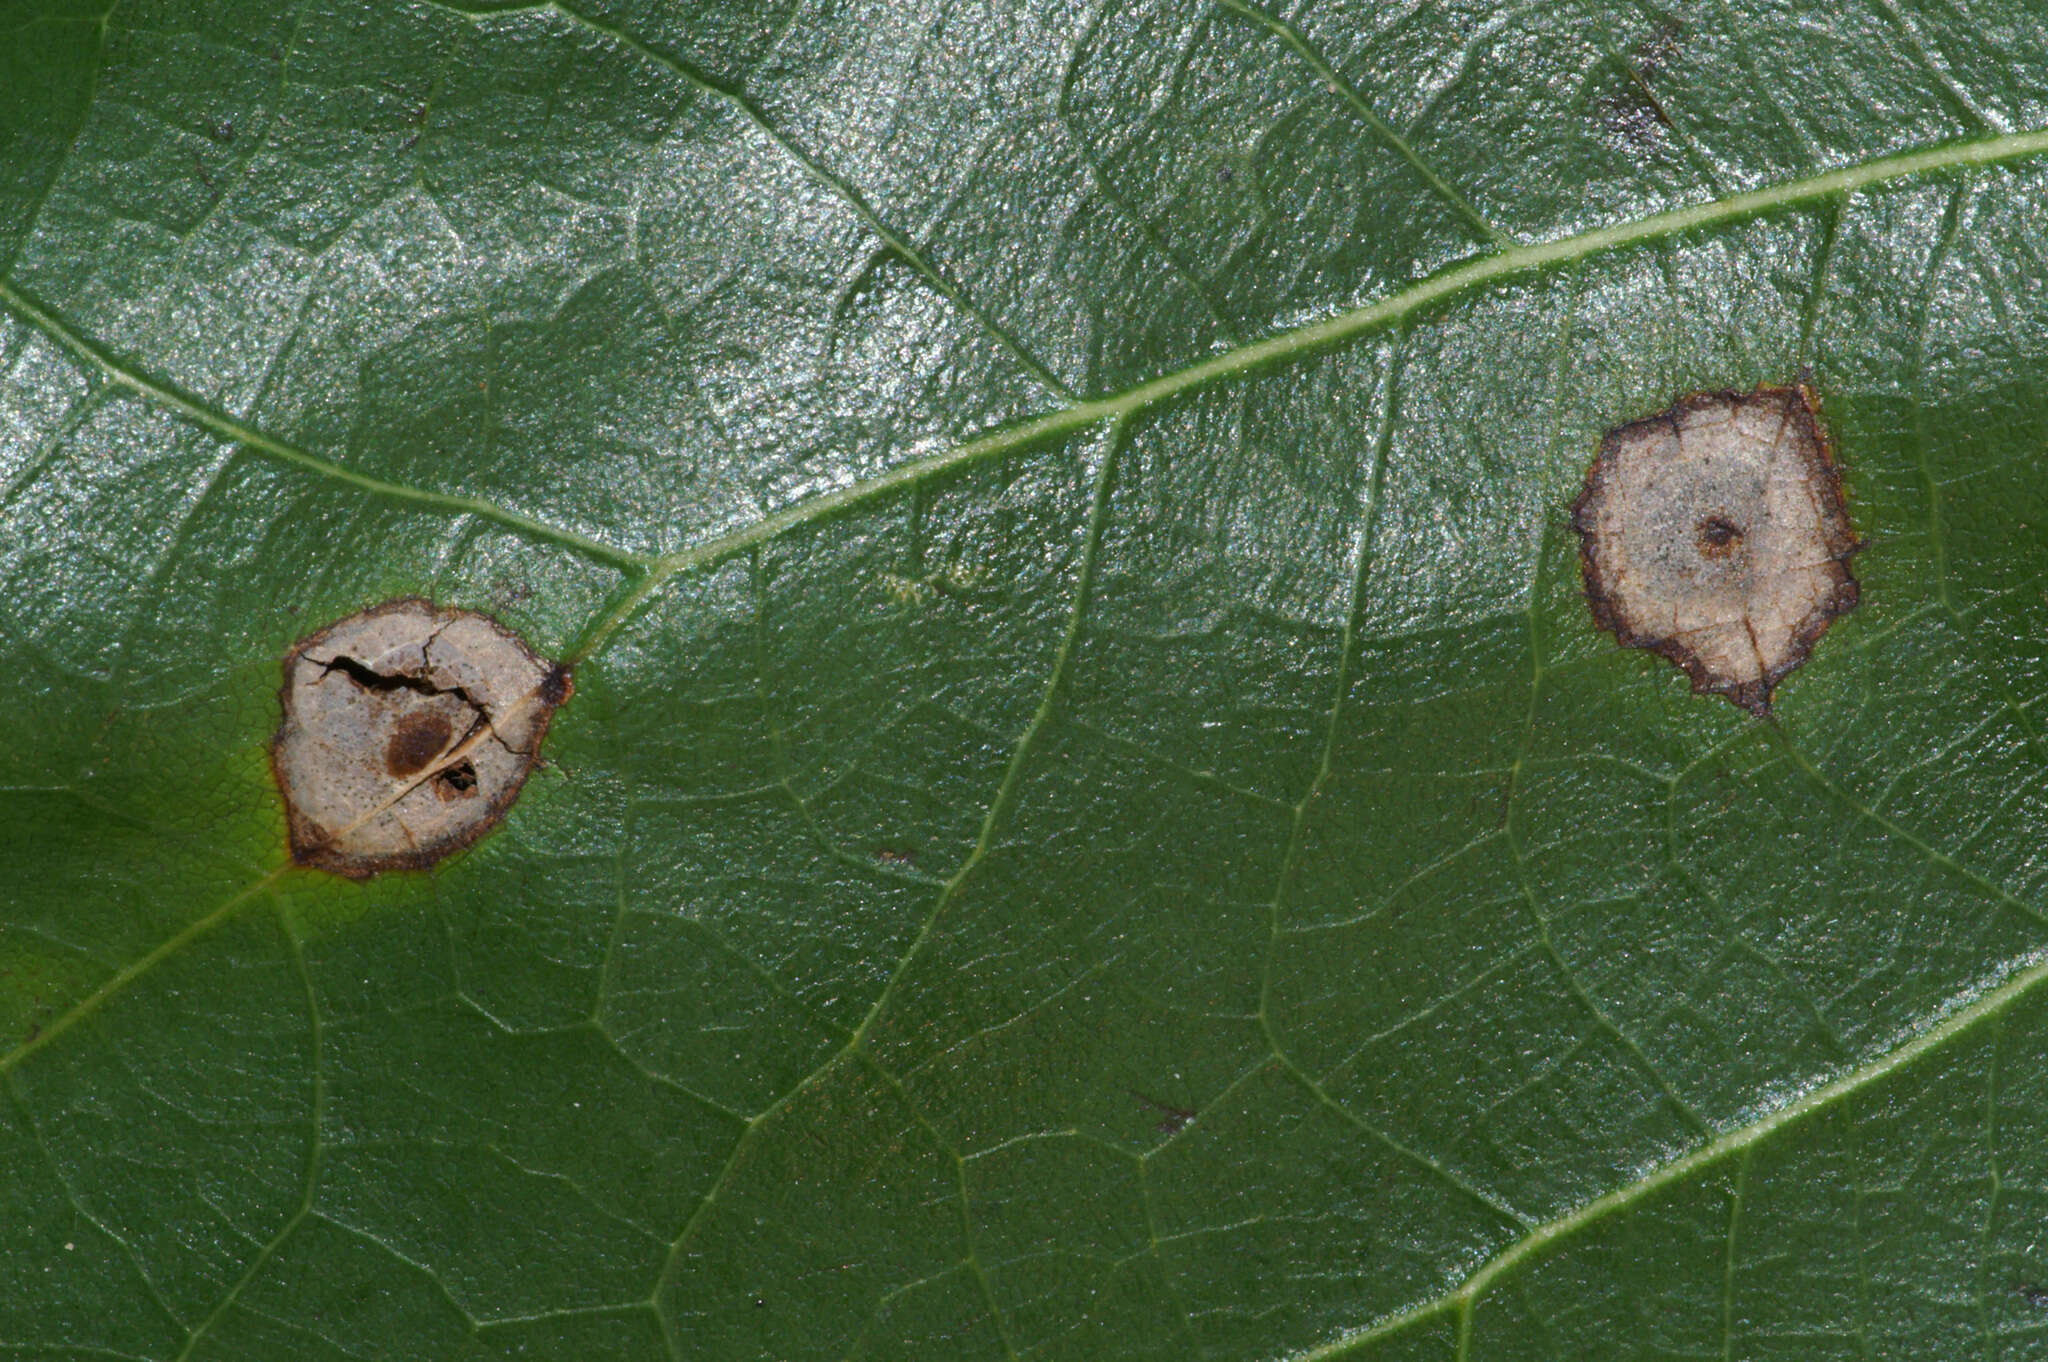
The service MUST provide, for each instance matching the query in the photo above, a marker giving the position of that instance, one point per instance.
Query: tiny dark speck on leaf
(1632, 112)
(2035, 1296)
(1173, 1119)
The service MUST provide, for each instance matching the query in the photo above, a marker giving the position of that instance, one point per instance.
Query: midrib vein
(1318, 336)
(652, 573)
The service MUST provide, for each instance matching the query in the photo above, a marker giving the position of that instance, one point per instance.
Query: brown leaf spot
(418, 739)
(1715, 533)
(408, 731)
(1633, 114)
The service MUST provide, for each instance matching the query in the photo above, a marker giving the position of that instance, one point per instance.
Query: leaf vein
(837, 184)
(1292, 36)
(46, 321)
(1957, 1025)
(1313, 337)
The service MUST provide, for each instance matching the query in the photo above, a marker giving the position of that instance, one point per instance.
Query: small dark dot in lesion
(457, 782)
(1718, 536)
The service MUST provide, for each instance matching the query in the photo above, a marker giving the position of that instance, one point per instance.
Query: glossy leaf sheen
(1095, 820)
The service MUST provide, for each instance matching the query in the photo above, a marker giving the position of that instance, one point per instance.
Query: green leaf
(1095, 819)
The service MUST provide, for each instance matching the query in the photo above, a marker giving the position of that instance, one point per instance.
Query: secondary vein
(47, 322)
(1957, 1025)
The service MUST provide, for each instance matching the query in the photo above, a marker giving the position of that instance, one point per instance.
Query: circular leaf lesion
(408, 731)
(1716, 534)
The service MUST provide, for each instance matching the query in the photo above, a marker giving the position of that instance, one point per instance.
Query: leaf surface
(1095, 820)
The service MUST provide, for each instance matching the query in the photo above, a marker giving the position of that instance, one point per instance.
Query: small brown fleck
(1715, 533)
(1631, 111)
(1718, 536)
(408, 731)
(418, 739)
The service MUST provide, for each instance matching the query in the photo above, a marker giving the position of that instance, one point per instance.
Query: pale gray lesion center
(423, 729)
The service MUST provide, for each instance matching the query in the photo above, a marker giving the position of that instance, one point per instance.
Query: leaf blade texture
(1095, 820)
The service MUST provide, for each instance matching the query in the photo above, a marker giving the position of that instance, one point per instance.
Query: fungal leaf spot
(408, 731)
(1715, 533)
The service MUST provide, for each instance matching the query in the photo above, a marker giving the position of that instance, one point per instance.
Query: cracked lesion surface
(1715, 533)
(408, 731)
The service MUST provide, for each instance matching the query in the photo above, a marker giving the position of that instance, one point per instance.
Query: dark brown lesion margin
(1801, 404)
